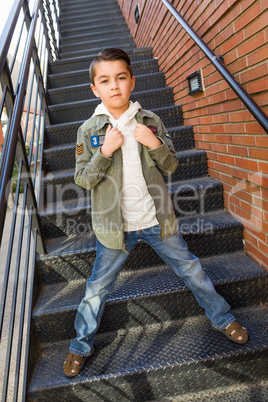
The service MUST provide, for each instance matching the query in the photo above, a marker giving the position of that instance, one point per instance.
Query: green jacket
(103, 176)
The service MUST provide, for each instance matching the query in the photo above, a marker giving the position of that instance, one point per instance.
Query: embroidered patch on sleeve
(79, 149)
(167, 135)
(153, 129)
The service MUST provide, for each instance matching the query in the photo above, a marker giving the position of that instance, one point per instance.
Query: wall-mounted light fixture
(195, 82)
(137, 13)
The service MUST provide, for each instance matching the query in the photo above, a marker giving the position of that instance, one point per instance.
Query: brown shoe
(234, 331)
(73, 364)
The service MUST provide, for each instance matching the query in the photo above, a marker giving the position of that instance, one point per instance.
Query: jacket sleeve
(164, 156)
(90, 167)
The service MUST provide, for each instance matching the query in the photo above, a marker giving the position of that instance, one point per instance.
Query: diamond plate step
(58, 184)
(189, 198)
(153, 362)
(206, 234)
(148, 296)
(82, 110)
(89, 9)
(241, 392)
(82, 76)
(125, 45)
(94, 28)
(80, 63)
(104, 34)
(76, 93)
(63, 157)
(112, 11)
(88, 45)
(66, 133)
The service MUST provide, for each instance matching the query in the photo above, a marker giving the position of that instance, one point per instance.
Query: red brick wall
(236, 145)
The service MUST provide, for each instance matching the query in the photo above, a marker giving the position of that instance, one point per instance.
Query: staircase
(154, 342)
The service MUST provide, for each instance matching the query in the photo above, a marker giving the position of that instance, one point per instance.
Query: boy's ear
(132, 83)
(95, 92)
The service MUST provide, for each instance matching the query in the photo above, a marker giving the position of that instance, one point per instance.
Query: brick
(226, 159)
(227, 139)
(240, 116)
(219, 148)
(242, 151)
(256, 25)
(260, 179)
(257, 254)
(258, 153)
(257, 56)
(233, 42)
(229, 17)
(247, 164)
(221, 118)
(249, 16)
(251, 45)
(254, 73)
(261, 141)
(258, 86)
(234, 128)
(243, 140)
(254, 128)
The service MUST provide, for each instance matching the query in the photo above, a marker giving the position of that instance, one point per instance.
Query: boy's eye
(122, 78)
(104, 81)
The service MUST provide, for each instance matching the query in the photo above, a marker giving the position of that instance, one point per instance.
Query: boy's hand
(146, 137)
(113, 140)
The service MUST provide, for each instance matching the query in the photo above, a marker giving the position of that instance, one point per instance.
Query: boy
(122, 152)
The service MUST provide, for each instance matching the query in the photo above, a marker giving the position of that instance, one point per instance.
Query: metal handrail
(248, 101)
(31, 82)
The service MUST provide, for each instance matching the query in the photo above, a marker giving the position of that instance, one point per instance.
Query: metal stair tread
(172, 130)
(219, 221)
(71, 105)
(90, 56)
(62, 126)
(126, 38)
(138, 283)
(54, 148)
(77, 53)
(158, 346)
(250, 391)
(205, 183)
(76, 38)
(183, 157)
(82, 86)
(85, 71)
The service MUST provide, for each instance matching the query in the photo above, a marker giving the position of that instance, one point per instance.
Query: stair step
(206, 234)
(159, 360)
(90, 9)
(102, 33)
(76, 93)
(89, 17)
(59, 183)
(189, 198)
(82, 76)
(63, 156)
(66, 4)
(125, 45)
(241, 392)
(88, 45)
(148, 296)
(80, 63)
(82, 110)
(94, 28)
(66, 133)
(69, 28)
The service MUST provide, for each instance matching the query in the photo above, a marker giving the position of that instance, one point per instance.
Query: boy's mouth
(115, 95)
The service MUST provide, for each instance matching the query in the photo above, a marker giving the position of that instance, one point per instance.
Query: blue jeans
(174, 252)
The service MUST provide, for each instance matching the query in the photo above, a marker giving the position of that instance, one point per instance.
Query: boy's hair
(109, 54)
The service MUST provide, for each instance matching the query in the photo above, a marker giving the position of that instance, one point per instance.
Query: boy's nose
(114, 84)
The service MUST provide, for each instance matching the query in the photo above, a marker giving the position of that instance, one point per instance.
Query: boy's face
(113, 84)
